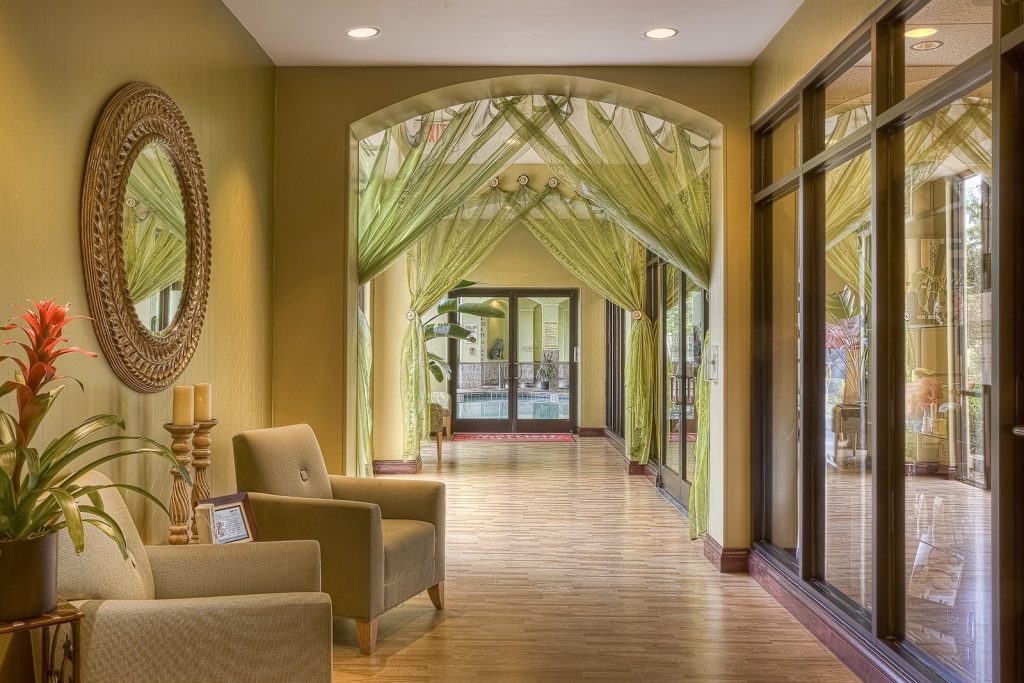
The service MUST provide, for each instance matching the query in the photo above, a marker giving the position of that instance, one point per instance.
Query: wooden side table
(60, 661)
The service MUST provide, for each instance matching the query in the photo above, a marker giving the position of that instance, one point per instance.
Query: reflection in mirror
(155, 244)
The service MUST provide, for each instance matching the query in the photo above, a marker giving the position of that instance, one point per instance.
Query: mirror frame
(140, 114)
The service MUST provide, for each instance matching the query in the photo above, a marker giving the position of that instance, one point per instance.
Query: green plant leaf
(100, 519)
(58, 448)
(72, 516)
(469, 308)
(447, 330)
(163, 452)
(37, 411)
(57, 467)
(94, 490)
(437, 372)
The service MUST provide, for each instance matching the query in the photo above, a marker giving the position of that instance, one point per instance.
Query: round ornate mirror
(145, 237)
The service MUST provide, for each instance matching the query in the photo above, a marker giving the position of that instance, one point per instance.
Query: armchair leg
(436, 593)
(366, 634)
(440, 435)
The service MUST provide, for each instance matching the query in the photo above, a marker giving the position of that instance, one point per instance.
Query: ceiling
(519, 33)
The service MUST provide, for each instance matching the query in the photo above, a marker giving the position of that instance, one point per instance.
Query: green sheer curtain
(438, 262)
(606, 258)
(702, 450)
(153, 225)
(411, 176)
(647, 175)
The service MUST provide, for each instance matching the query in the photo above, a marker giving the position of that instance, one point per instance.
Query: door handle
(1018, 430)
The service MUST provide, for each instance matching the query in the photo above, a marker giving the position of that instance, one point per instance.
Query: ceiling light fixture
(362, 32)
(926, 45)
(661, 33)
(921, 32)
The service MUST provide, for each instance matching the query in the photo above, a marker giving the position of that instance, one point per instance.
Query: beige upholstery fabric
(101, 572)
(253, 638)
(243, 612)
(381, 541)
(199, 571)
(285, 460)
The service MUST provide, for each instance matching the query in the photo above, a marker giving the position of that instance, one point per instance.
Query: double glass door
(517, 371)
(684, 312)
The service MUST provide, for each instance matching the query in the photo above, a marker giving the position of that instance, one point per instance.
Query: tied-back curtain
(702, 450)
(153, 225)
(410, 177)
(610, 261)
(438, 262)
(649, 176)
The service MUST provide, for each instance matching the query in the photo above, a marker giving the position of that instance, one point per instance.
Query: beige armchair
(242, 612)
(381, 540)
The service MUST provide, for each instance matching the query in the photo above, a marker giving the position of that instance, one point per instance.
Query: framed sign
(228, 518)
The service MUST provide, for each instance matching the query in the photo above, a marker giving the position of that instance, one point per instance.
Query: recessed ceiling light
(921, 32)
(362, 32)
(661, 33)
(926, 45)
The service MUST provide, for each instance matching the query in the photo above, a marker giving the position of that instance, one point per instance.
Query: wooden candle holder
(180, 508)
(200, 462)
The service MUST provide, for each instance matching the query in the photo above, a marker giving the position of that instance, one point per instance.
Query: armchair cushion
(255, 638)
(285, 461)
(199, 571)
(408, 545)
(100, 572)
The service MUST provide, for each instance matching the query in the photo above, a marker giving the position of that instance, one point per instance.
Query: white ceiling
(512, 32)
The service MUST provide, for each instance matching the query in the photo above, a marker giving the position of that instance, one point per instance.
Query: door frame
(513, 424)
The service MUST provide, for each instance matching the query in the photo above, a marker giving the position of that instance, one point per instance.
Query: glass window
(848, 101)
(785, 373)
(848, 494)
(948, 385)
(942, 35)
(785, 142)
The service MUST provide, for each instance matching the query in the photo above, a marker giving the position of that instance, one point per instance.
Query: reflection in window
(785, 374)
(847, 312)
(948, 314)
(848, 101)
(942, 35)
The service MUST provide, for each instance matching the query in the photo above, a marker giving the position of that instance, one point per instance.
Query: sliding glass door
(516, 372)
(683, 315)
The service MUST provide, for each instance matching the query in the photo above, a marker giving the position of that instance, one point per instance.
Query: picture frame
(232, 519)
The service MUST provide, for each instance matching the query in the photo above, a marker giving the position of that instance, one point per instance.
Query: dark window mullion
(886, 386)
(811, 198)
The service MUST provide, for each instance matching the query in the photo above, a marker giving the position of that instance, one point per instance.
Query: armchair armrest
(351, 545)
(236, 638)
(397, 498)
(194, 571)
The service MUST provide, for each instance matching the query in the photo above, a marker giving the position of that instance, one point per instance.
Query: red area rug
(531, 438)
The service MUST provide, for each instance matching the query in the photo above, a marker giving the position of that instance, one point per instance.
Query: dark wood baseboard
(635, 468)
(591, 431)
(398, 466)
(845, 642)
(726, 560)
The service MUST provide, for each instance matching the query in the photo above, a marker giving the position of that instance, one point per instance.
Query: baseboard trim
(850, 646)
(617, 442)
(726, 560)
(398, 466)
(591, 431)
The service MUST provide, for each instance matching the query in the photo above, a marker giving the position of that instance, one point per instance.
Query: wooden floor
(561, 567)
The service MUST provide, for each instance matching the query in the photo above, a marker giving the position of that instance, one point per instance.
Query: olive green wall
(815, 28)
(59, 64)
(314, 279)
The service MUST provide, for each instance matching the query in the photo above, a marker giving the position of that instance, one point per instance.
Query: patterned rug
(534, 438)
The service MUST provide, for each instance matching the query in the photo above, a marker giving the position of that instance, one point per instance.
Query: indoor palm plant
(39, 493)
(436, 364)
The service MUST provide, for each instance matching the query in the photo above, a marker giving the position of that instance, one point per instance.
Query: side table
(60, 630)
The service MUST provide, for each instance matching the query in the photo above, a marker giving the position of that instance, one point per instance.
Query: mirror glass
(155, 244)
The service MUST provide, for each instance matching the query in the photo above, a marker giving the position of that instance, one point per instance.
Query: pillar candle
(183, 405)
(204, 405)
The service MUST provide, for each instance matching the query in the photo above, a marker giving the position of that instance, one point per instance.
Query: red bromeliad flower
(42, 327)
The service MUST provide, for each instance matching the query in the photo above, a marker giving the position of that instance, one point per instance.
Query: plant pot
(544, 385)
(28, 577)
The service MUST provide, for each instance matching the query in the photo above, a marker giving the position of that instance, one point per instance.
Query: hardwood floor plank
(562, 567)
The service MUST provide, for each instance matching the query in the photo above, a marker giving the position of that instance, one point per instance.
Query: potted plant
(547, 373)
(437, 365)
(39, 495)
